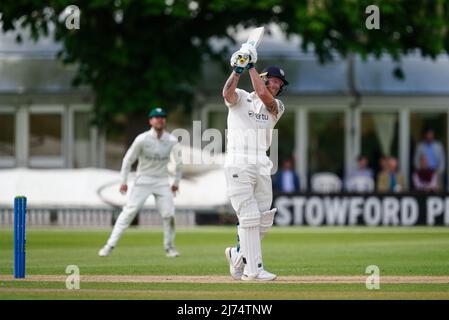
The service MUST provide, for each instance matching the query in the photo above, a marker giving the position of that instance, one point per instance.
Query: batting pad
(266, 221)
(250, 244)
(238, 262)
(248, 222)
(251, 250)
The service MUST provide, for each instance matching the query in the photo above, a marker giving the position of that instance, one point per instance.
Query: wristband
(249, 65)
(239, 70)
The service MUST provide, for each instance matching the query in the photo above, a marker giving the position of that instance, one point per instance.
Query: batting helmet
(275, 72)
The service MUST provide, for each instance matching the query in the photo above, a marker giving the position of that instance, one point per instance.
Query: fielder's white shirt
(250, 127)
(153, 155)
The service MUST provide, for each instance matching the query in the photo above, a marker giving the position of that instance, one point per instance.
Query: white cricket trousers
(250, 191)
(164, 204)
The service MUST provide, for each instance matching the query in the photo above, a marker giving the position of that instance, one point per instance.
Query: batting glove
(250, 50)
(239, 59)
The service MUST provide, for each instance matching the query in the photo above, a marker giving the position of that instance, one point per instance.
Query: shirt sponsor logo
(258, 116)
(261, 116)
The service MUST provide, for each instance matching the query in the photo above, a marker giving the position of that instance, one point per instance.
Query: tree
(135, 54)
(140, 53)
(339, 26)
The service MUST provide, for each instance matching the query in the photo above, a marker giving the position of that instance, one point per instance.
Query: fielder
(251, 119)
(153, 149)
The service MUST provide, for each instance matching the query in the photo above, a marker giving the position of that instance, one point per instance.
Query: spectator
(433, 150)
(425, 178)
(383, 164)
(362, 171)
(286, 180)
(389, 179)
(362, 168)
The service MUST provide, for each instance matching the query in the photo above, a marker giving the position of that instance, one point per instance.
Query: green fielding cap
(157, 112)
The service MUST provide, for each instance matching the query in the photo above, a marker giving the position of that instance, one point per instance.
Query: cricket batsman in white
(251, 119)
(153, 150)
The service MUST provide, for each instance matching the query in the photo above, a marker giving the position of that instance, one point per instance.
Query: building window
(380, 137)
(286, 132)
(326, 142)
(82, 138)
(116, 144)
(45, 135)
(218, 120)
(7, 134)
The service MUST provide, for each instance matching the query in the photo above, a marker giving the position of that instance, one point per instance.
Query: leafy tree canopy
(140, 53)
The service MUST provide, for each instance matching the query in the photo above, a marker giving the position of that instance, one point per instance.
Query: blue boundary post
(19, 236)
(23, 238)
(16, 235)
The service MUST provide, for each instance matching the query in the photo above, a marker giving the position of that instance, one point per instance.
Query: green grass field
(289, 252)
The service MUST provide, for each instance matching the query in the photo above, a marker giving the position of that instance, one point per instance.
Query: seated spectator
(286, 180)
(360, 184)
(389, 179)
(383, 164)
(362, 171)
(425, 178)
(434, 152)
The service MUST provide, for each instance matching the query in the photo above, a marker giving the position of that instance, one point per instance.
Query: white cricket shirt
(153, 155)
(250, 127)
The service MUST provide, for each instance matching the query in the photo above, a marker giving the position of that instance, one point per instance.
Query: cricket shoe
(235, 263)
(172, 253)
(263, 275)
(105, 251)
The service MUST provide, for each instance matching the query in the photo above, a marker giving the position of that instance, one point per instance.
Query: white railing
(86, 217)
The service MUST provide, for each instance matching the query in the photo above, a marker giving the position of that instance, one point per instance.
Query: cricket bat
(254, 39)
(255, 36)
